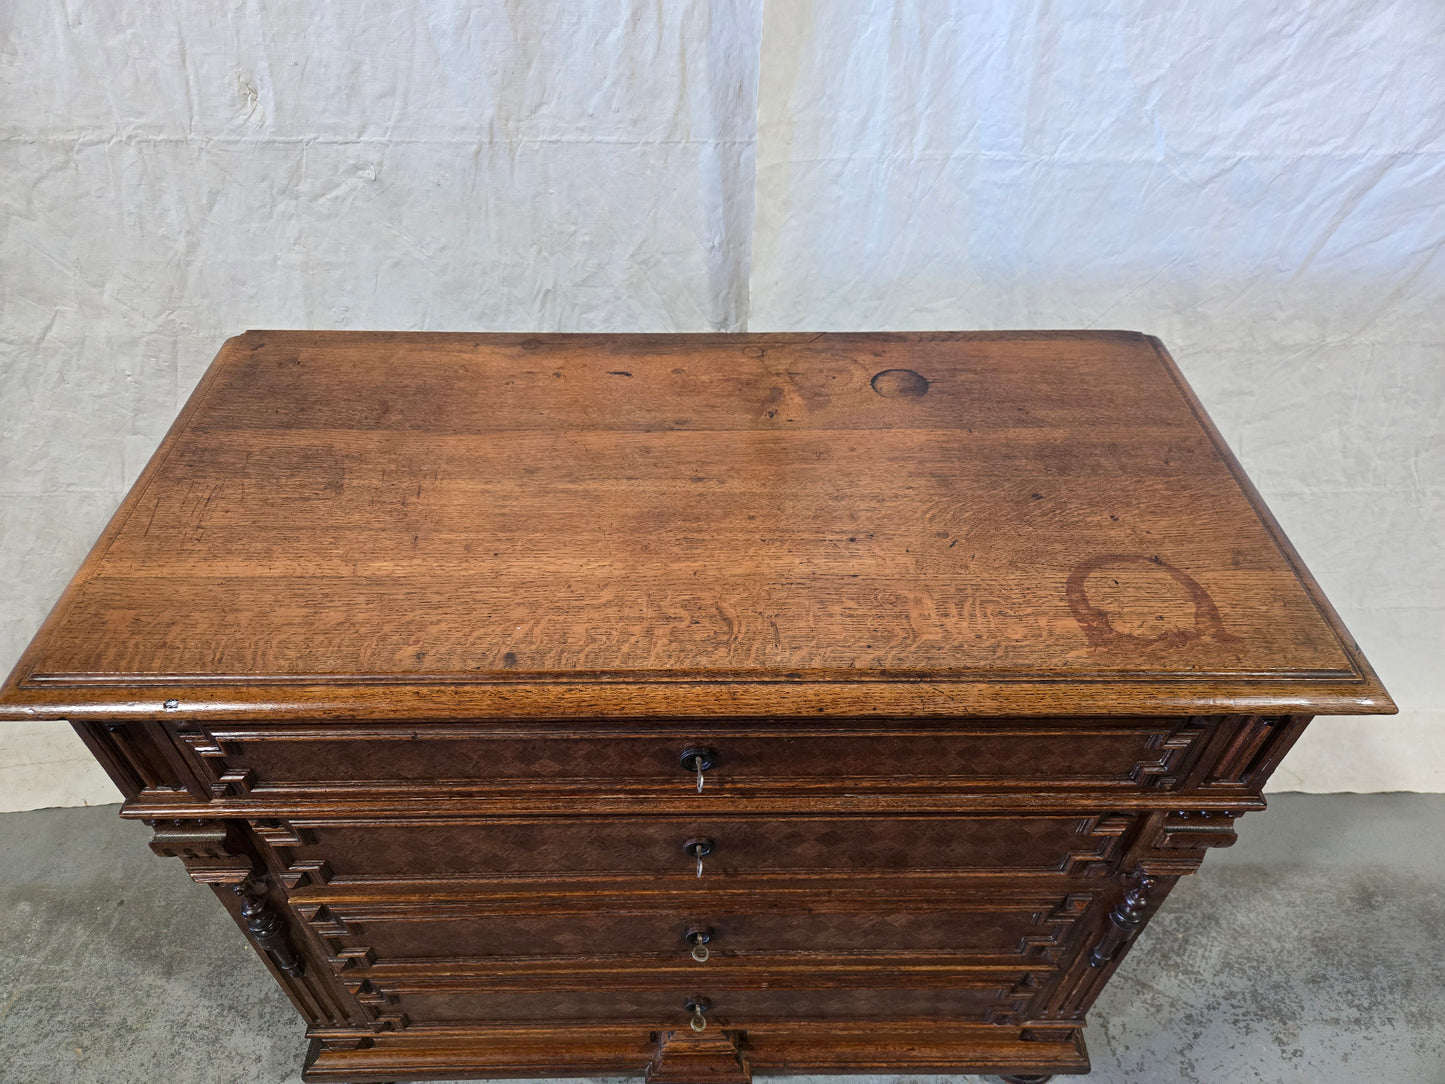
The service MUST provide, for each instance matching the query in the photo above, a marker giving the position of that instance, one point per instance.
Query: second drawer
(666, 850)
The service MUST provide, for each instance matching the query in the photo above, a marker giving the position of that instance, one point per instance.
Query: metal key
(697, 1006)
(697, 759)
(699, 849)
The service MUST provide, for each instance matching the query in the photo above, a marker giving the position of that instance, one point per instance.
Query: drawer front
(1064, 753)
(425, 929)
(450, 1001)
(663, 849)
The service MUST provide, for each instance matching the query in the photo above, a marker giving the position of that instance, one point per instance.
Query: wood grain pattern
(616, 1050)
(461, 523)
(400, 640)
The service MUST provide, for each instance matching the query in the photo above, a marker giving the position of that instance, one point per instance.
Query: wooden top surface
(382, 525)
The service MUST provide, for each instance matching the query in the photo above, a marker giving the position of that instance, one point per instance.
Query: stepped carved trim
(210, 758)
(282, 837)
(1047, 942)
(330, 928)
(377, 1004)
(1013, 1004)
(1173, 748)
(1107, 829)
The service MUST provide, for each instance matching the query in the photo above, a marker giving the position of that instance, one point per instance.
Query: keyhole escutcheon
(696, 760)
(698, 848)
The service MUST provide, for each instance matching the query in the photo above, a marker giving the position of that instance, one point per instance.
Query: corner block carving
(1179, 841)
(208, 849)
(1191, 830)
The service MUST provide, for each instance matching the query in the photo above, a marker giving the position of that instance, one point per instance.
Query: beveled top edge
(693, 699)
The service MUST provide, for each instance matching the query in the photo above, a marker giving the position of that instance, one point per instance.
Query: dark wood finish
(1028, 753)
(602, 1050)
(959, 920)
(269, 931)
(443, 658)
(684, 1057)
(664, 850)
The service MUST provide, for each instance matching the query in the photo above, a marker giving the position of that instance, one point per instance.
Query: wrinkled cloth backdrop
(1262, 188)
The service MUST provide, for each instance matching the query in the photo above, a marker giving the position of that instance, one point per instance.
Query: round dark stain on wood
(900, 384)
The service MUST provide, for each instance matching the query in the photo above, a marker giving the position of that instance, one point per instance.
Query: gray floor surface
(1311, 951)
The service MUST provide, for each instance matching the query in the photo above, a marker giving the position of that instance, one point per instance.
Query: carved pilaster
(267, 927)
(1124, 922)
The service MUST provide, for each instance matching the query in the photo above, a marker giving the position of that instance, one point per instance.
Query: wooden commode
(691, 705)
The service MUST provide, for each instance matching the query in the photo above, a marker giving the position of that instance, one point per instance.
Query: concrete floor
(1309, 952)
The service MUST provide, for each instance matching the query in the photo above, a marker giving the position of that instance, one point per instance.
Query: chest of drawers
(691, 706)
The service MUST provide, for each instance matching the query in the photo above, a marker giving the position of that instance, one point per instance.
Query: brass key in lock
(699, 849)
(697, 1006)
(698, 937)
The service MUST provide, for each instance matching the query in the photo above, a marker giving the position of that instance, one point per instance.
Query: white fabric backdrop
(1264, 190)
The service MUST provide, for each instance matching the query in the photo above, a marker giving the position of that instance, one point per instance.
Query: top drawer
(740, 758)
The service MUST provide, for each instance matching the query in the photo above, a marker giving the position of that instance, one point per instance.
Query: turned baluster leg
(269, 931)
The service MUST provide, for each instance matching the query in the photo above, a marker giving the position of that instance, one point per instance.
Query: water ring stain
(1098, 628)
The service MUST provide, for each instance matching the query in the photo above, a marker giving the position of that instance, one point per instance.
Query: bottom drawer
(460, 1001)
(724, 1057)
